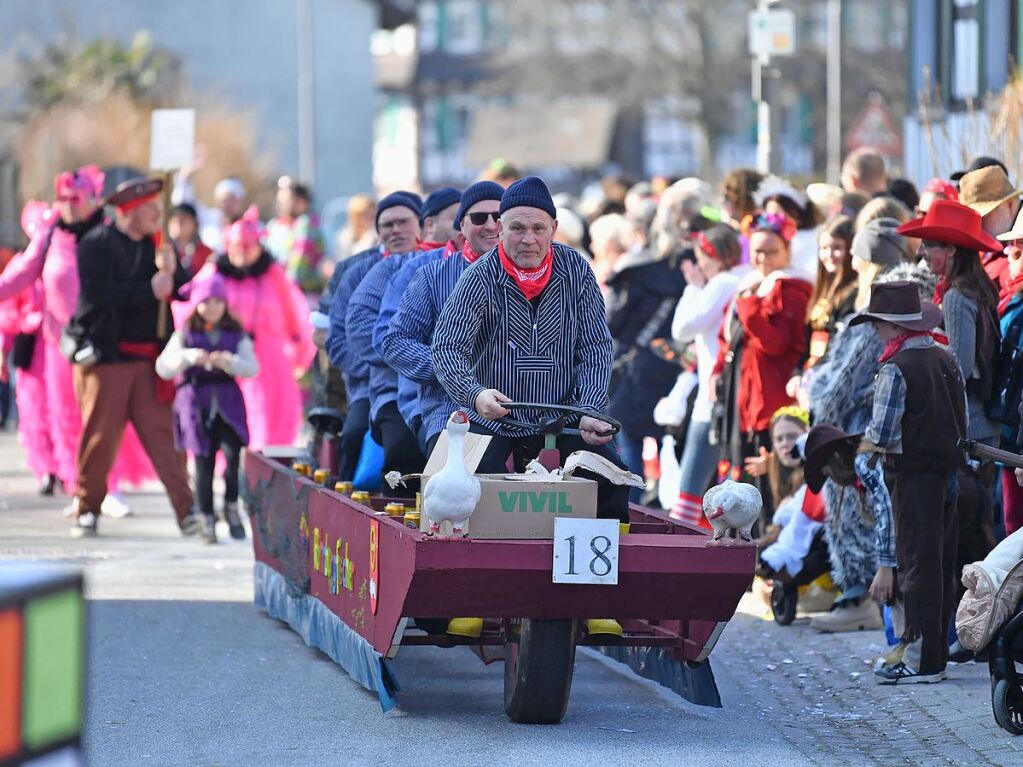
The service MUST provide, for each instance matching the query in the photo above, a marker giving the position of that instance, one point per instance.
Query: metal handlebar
(557, 425)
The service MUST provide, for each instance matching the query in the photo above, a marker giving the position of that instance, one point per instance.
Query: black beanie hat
(529, 192)
(437, 201)
(409, 200)
(481, 190)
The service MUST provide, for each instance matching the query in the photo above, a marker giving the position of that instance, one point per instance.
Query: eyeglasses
(479, 219)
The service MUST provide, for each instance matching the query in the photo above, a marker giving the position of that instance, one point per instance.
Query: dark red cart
(352, 582)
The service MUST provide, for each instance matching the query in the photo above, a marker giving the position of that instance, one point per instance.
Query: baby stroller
(990, 615)
(786, 591)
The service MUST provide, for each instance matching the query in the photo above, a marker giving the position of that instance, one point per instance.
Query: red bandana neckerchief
(450, 249)
(427, 245)
(530, 281)
(1008, 292)
(940, 290)
(469, 253)
(892, 347)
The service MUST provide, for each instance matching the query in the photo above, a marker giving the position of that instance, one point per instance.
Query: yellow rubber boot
(604, 626)
(465, 627)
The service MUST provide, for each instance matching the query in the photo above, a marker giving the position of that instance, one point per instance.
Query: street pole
(834, 90)
(306, 104)
(760, 64)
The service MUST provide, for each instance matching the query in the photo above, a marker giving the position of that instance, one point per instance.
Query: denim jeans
(699, 460)
(631, 450)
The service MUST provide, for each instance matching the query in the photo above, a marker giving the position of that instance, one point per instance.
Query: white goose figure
(452, 493)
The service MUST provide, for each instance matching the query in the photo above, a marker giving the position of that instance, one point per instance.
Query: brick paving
(820, 692)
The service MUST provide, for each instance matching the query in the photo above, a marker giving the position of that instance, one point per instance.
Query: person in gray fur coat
(841, 392)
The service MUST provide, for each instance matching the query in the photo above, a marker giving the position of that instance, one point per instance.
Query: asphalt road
(183, 670)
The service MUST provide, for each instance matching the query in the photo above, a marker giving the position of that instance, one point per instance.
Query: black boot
(234, 520)
(49, 484)
(5, 403)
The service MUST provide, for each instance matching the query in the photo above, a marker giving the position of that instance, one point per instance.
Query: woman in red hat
(951, 238)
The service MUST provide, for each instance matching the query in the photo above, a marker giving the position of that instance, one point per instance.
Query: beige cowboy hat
(985, 189)
(1016, 233)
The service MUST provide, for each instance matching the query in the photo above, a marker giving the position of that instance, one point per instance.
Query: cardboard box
(515, 508)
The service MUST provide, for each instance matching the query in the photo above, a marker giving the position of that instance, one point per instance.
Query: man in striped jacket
(525, 323)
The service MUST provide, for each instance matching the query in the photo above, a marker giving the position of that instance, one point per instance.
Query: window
(463, 27)
(965, 58)
(671, 141)
(429, 27)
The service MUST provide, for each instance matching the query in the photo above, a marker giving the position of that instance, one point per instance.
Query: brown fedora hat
(821, 442)
(899, 303)
(985, 189)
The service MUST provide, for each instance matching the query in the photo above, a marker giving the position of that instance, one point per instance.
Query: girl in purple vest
(208, 353)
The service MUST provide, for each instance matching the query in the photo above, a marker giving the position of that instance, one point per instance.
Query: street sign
(875, 127)
(772, 33)
(171, 139)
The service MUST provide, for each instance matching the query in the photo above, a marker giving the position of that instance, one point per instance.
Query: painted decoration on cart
(374, 564)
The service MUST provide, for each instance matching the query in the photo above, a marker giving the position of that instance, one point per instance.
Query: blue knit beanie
(437, 201)
(481, 190)
(529, 192)
(409, 200)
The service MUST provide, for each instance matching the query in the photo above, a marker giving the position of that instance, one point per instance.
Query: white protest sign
(171, 138)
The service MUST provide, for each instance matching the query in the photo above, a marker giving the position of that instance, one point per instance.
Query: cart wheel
(538, 671)
(784, 598)
(1007, 704)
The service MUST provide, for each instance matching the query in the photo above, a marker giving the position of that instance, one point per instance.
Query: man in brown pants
(116, 328)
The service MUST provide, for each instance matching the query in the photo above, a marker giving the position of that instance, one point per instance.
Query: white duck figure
(732, 508)
(453, 492)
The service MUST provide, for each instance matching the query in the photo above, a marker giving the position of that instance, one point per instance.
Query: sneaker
(863, 616)
(900, 672)
(234, 521)
(190, 525)
(72, 508)
(84, 525)
(115, 506)
(208, 530)
(49, 485)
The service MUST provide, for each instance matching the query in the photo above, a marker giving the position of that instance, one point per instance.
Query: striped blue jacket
(406, 344)
(360, 318)
(556, 349)
(408, 391)
(354, 370)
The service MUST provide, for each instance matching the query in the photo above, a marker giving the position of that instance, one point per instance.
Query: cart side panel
(340, 571)
(277, 500)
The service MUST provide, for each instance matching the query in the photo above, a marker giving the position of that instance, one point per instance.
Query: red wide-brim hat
(953, 224)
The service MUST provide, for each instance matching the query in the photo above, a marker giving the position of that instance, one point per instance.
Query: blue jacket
(408, 391)
(556, 348)
(1011, 315)
(407, 341)
(360, 319)
(354, 369)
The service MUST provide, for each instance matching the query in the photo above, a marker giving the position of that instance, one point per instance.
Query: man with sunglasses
(397, 225)
(404, 331)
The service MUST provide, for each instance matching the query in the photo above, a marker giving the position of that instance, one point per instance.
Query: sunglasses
(479, 219)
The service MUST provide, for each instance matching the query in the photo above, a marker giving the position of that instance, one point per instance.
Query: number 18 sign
(586, 551)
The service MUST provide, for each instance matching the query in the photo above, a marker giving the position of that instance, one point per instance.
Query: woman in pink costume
(275, 313)
(24, 314)
(50, 261)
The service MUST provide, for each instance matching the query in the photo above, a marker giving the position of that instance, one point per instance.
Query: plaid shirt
(880, 503)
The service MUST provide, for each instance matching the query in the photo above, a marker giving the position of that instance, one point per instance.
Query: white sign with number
(586, 551)
(171, 139)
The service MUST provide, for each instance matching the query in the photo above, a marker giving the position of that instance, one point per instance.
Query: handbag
(23, 349)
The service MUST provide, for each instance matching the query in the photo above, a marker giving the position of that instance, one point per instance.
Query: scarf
(530, 281)
(258, 269)
(940, 290)
(1008, 292)
(469, 253)
(892, 347)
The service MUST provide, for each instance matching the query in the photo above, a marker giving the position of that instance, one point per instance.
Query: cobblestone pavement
(790, 694)
(820, 692)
